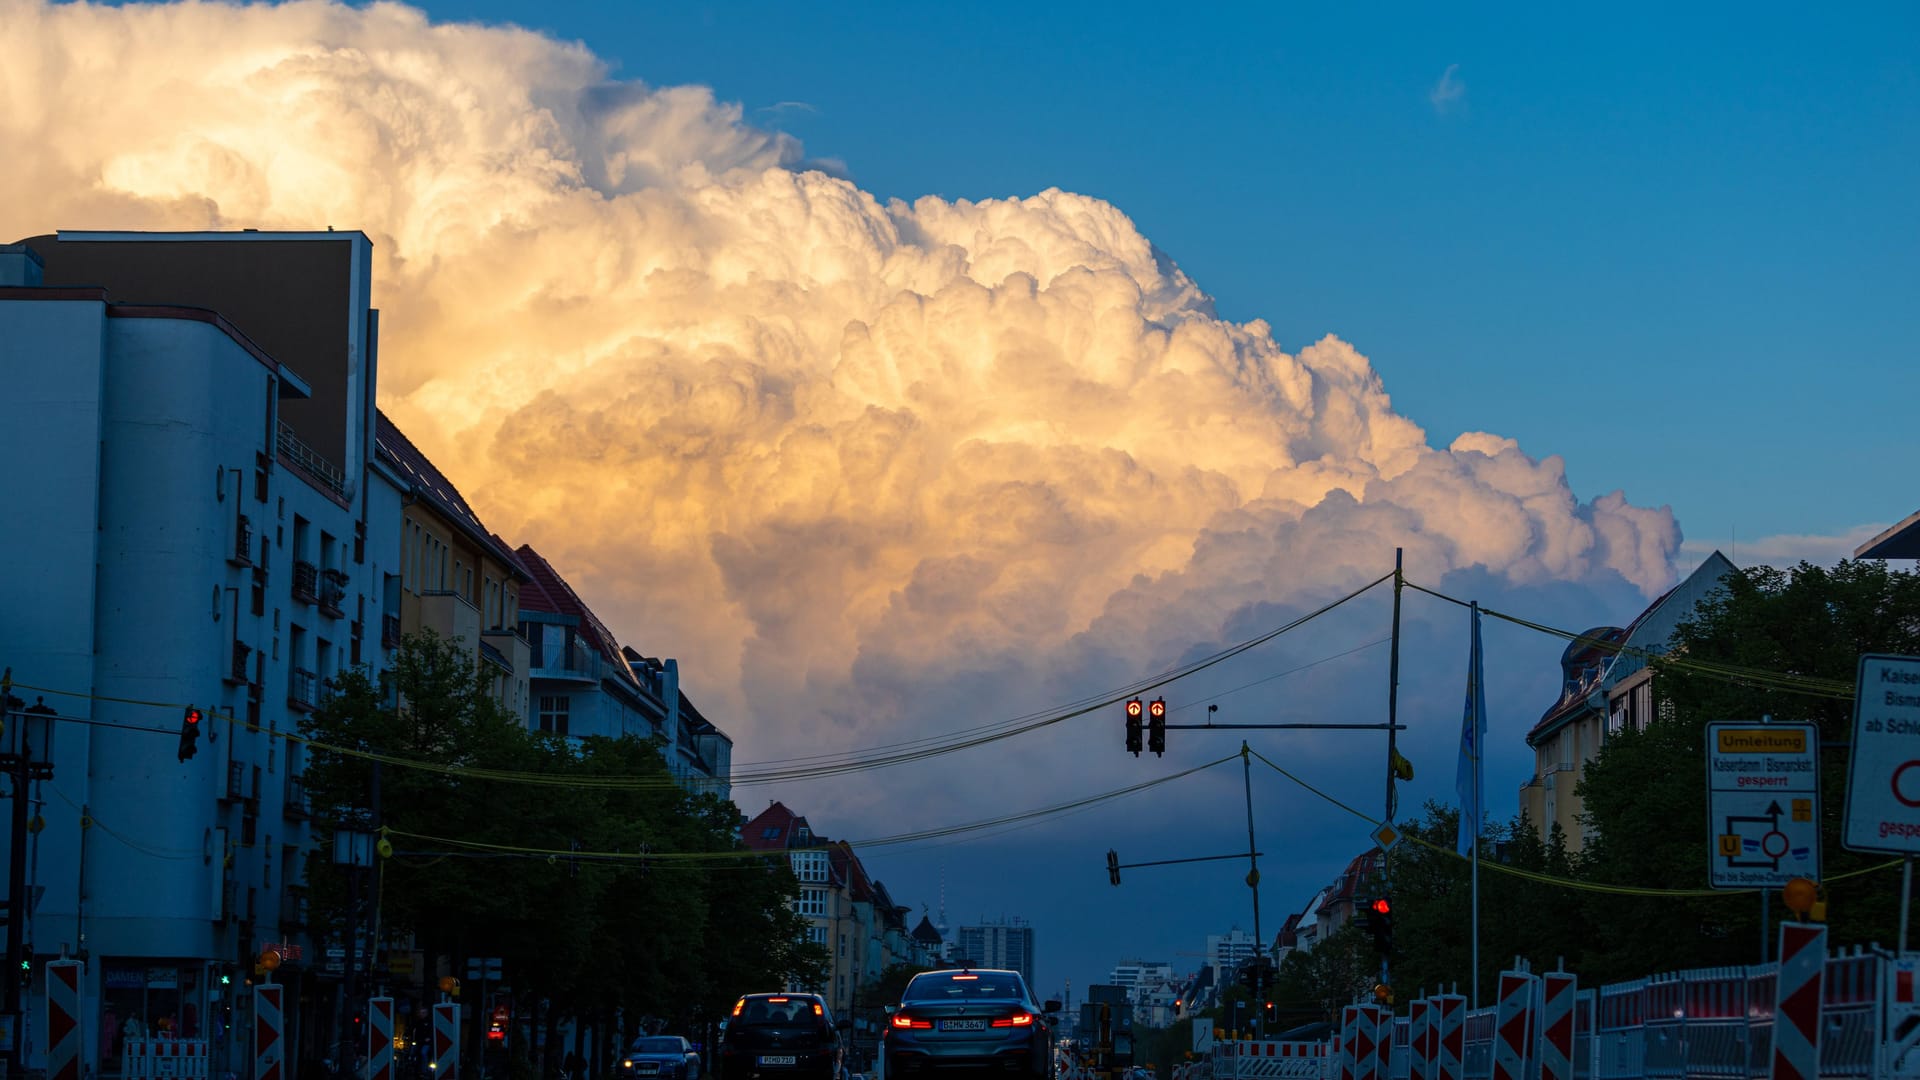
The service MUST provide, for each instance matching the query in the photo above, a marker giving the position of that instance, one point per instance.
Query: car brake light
(900, 1020)
(778, 1001)
(738, 1005)
(965, 978)
(1019, 1019)
(816, 1009)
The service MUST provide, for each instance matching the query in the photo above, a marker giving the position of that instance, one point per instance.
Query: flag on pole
(1473, 737)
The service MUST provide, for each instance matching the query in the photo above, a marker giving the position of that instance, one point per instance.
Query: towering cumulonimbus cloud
(817, 444)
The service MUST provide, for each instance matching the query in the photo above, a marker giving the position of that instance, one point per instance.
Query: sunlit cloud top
(820, 445)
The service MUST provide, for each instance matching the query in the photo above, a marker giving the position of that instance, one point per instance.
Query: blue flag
(1473, 737)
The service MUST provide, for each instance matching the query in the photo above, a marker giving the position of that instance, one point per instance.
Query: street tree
(1645, 795)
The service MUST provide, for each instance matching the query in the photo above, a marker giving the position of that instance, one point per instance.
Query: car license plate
(776, 1059)
(646, 1066)
(963, 1025)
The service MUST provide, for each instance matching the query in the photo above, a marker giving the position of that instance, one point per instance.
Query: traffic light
(1157, 726)
(1134, 709)
(190, 733)
(1380, 924)
(1383, 994)
(1271, 1012)
(1113, 866)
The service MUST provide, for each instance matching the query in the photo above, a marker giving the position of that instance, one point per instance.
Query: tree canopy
(670, 938)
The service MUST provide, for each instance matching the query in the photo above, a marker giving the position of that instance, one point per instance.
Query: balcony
(242, 542)
(293, 907)
(237, 668)
(295, 805)
(306, 581)
(302, 690)
(307, 460)
(333, 589)
(389, 631)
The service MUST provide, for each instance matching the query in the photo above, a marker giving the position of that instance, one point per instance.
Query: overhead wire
(1809, 685)
(819, 768)
(1544, 878)
(937, 832)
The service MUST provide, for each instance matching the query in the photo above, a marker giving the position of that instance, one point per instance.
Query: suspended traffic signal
(1157, 726)
(190, 733)
(1113, 867)
(1134, 709)
(1380, 924)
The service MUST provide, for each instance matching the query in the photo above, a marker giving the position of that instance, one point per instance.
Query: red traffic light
(1382, 906)
(193, 716)
(1158, 710)
(1133, 709)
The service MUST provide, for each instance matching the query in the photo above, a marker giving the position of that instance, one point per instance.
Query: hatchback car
(973, 1019)
(668, 1057)
(781, 1037)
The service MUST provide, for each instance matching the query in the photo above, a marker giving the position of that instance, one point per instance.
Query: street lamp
(26, 754)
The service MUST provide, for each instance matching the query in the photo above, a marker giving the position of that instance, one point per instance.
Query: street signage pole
(1883, 779)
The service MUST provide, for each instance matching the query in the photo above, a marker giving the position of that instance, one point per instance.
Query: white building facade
(207, 529)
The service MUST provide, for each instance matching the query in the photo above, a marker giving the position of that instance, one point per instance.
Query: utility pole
(1253, 852)
(1393, 682)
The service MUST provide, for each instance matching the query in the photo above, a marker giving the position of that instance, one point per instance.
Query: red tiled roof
(848, 868)
(778, 817)
(548, 592)
(432, 485)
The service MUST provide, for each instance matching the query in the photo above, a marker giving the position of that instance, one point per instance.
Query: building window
(553, 713)
(812, 902)
(843, 944)
(810, 865)
(817, 935)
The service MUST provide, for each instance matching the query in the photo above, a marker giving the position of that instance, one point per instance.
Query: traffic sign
(1763, 804)
(1385, 836)
(1883, 782)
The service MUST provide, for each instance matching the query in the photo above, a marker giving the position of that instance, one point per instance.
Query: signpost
(1763, 804)
(1883, 782)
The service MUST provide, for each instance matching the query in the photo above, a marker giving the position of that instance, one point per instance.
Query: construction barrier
(269, 1050)
(1558, 990)
(64, 1037)
(164, 1059)
(380, 1038)
(446, 1040)
(1271, 1060)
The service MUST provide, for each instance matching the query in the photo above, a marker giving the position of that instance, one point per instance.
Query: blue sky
(1680, 251)
(1678, 248)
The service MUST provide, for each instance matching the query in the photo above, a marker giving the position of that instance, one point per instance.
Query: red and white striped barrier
(1275, 1060)
(64, 1037)
(1559, 989)
(1419, 1058)
(1450, 1036)
(1796, 1013)
(380, 1038)
(1513, 1026)
(446, 1040)
(269, 1049)
(1348, 1037)
(1366, 1049)
(164, 1059)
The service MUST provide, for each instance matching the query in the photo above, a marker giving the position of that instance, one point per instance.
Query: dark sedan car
(968, 1019)
(668, 1057)
(781, 1037)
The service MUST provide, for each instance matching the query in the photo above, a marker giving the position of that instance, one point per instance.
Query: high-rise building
(1006, 945)
(1228, 951)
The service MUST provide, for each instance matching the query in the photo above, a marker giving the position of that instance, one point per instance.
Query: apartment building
(1606, 687)
(456, 578)
(204, 525)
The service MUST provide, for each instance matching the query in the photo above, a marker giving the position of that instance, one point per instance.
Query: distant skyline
(913, 371)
